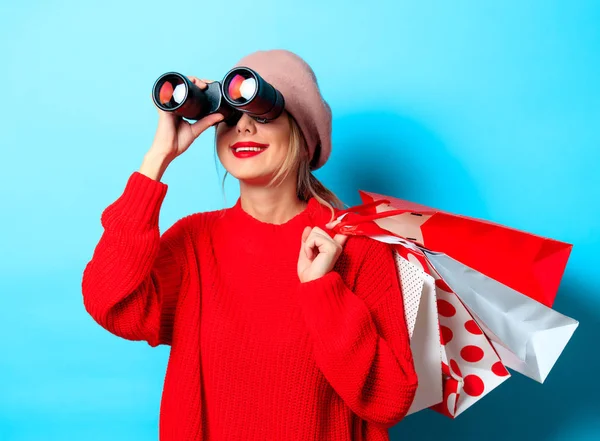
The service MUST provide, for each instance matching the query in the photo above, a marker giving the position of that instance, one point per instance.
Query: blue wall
(490, 109)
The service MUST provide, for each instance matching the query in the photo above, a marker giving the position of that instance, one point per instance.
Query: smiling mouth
(248, 149)
(243, 150)
(248, 146)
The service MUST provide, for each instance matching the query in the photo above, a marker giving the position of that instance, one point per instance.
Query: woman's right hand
(174, 134)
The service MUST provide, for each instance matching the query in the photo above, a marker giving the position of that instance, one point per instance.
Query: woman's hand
(318, 252)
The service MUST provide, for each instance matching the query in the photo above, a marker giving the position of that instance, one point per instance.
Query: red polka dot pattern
(473, 327)
(445, 335)
(473, 385)
(455, 368)
(471, 353)
(442, 285)
(499, 369)
(445, 308)
(445, 369)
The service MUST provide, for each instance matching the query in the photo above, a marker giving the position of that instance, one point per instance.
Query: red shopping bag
(528, 335)
(532, 265)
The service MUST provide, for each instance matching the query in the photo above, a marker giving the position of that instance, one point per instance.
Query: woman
(277, 330)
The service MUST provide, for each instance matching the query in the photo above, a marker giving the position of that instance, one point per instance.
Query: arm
(131, 285)
(360, 337)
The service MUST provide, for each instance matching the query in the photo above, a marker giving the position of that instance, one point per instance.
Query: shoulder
(206, 217)
(366, 261)
(199, 222)
(363, 249)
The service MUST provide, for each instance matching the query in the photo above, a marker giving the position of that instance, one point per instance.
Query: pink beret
(296, 81)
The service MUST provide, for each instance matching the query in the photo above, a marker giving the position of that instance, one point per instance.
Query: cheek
(223, 139)
(279, 136)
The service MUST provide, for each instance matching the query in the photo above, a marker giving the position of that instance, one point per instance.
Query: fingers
(321, 232)
(305, 233)
(204, 123)
(201, 83)
(340, 239)
(318, 231)
(312, 241)
(308, 242)
(198, 82)
(316, 237)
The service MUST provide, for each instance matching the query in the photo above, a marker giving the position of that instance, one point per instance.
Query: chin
(254, 177)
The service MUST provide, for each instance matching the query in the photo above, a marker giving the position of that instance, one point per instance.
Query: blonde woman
(278, 331)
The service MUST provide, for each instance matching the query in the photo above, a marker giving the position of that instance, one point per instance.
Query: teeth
(249, 149)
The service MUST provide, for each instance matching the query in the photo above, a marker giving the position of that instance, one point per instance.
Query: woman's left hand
(314, 263)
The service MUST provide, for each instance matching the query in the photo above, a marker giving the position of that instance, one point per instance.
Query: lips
(255, 149)
(248, 144)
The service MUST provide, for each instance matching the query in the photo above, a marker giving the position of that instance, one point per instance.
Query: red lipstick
(254, 149)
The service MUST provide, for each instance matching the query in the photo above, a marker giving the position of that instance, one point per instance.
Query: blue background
(489, 109)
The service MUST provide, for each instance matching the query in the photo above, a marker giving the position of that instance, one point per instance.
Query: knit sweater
(255, 353)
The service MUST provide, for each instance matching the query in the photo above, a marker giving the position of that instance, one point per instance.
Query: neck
(272, 208)
(275, 205)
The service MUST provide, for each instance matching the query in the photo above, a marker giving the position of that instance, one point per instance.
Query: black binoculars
(242, 90)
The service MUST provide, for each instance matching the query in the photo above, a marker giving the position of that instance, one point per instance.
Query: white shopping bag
(420, 309)
(528, 336)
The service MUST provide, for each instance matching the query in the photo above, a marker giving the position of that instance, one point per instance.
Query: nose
(246, 125)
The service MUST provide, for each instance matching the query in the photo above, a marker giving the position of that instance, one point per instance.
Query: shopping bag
(460, 357)
(420, 310)
(530, 264)
(471, 368)
(528, 336)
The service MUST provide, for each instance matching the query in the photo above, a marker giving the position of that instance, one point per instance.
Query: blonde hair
(307, 184)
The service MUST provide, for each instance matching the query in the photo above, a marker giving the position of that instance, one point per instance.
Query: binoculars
(242, 90)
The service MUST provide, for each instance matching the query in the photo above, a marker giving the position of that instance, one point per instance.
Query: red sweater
(255, 354)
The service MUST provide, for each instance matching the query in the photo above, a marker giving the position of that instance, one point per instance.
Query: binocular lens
(241, 88)
(245, 90)
(172, 93)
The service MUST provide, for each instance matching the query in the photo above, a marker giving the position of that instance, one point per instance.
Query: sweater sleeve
(132, 282)
(360, 337)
